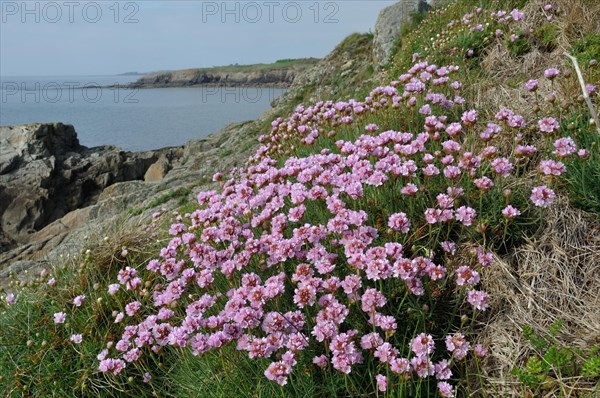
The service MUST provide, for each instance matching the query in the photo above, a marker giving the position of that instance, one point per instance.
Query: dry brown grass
(504, 75)
(555, 277)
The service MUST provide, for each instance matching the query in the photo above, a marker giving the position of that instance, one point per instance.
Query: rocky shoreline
(270, 76)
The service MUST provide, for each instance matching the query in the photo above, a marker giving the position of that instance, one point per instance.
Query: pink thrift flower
(542, 196)
(60, 317)
(77, 301)
(423, 344)
(551, 73)
(469, 117)
(551, 167)
(381, 382)
(479, 350)
(564, 147)
(484, 183)
(531, 85)
(51, 282)
(399, 222)
(449, 247)
(113, 288)
(321, 361)
(466, 215)
(457, 345)
(502, 166)
(478, 299)
(548, 125)
(10, 299)
(442, 370)
(409, 189)
(467, 276)
(76, 338)
(147, 377)
(446, 390)
(371, 128)
(511, 212)
(132, 308)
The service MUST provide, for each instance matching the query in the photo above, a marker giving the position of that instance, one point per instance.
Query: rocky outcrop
(389, 25)
(165, 171)
(45, 174)
(241, 76)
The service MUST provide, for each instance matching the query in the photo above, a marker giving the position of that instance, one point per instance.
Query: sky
(70, 37)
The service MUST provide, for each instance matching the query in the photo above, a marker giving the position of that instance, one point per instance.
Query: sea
(132, 119)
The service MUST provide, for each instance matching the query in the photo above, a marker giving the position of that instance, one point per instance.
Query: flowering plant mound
(364, 253)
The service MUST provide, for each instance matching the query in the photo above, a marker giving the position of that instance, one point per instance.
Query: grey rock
(389, 25)
(46, 174)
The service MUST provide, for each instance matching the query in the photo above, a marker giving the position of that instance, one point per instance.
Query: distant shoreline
(280, 74)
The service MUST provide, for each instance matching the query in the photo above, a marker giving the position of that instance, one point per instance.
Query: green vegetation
(553, 361)
(39, 359)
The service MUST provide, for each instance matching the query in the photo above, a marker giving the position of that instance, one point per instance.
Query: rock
(389, 25)
(158, 170)
(46, 173)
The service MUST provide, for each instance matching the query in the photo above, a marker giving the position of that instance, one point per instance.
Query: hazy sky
(69, 37)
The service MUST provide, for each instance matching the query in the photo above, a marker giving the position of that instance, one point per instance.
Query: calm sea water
(134, 120)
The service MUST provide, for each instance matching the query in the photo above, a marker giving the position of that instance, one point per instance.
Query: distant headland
(278, 74)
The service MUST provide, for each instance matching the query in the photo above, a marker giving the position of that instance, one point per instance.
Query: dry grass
(555, 277)
(505, 74)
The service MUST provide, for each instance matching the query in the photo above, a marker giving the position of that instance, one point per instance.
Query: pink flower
(442, 370)
(423, 344)
(551, 73)
(590, 88)
(531, 85)
(479, 350)
(469, 117)
(516, 14)
(77, 301)
(422, 366)
(564, 147)
(399, 222)
(478, 299)
(76, 338)
(548, 125)
(542, 196)
(446, 390)
(113, 288)
(502, 166)
(511, 212)
(370, 341)
(457, 345)
(381, 382)
(321, 361)
(132, 308)
(371, 128)
(60, 317)
(466, 215)
(51, 282)
(147, 377)
(484, 183)
(449, 247)
(409, 189)
(551, 167)
(10, 299)
(111, 365)
(466, 276)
